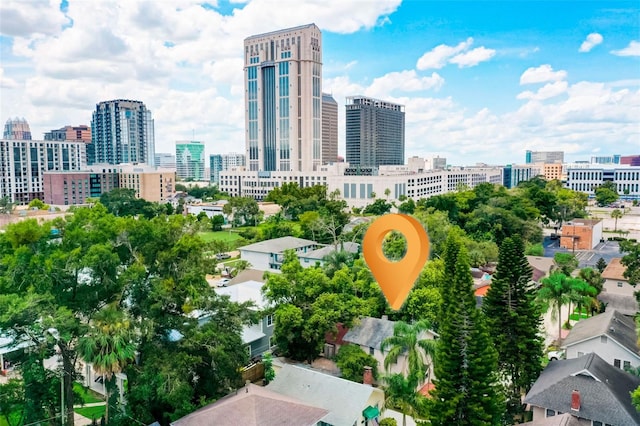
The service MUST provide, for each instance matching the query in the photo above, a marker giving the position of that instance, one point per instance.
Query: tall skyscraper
(329, 129)
(17, 129)
(190, 160)
(374, 132)
(283, 99)
(222, 162)
(70, 133)
(122, 132)
(533, 157)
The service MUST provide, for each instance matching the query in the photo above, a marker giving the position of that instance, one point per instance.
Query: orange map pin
(396, 278)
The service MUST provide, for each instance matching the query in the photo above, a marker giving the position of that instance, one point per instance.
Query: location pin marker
(396, 278)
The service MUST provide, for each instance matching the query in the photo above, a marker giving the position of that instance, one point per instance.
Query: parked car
(223, 282)
(555, 355)
(222, 256)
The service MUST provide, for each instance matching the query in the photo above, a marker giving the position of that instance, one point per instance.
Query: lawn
(91, 412)
(226, 236)
(88, 396)
(577, 315)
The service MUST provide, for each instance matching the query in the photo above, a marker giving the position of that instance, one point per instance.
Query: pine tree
(466, 390)
(514, 320)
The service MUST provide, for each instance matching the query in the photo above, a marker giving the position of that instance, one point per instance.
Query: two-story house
(268, 255)
(256, 337)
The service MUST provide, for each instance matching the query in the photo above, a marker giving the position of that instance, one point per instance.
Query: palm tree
(593, 277)
(108, 346)
(336, 260)
(406, 340)
(400, 394)
(582, 293)
(616, 214)
(555, 292)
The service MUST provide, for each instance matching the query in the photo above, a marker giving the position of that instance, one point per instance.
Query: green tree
(593, 277)
(351, 360)
(407, 340)
(407, 207)
(565, 263)
(631, 260)
(466, 387)
(514, 320)
(245, 211)
(616, 214)
(554, 293)
(400, 394)
(606, 194)
(601, 264)
(377, 208)
(6, 206)
(12, 402)
(269, 372)
(216, 222)
(108, 345)
(38, 204)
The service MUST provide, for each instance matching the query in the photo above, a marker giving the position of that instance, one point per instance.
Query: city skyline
(481, 82)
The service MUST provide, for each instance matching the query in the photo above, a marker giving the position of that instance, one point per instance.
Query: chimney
(367, 378)
(575, 400)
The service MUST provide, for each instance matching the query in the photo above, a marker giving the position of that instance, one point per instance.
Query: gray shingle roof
(278, 245)
(344, 399)
(370, 332)
(320, 253)
(627, 305)
(254, 405)
(612, 324)
(604, 390)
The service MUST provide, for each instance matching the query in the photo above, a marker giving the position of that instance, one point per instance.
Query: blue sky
(481, 81)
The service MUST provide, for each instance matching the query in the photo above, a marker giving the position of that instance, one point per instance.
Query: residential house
(210, 209)
(369, 334)
(349, 403)
(317, 256)
(581, 234)
(252, 406)
(593, 391)
(541, 266)
(268, 255)
(611, 335)
(565, 419)
(256, 337)
(617, 293)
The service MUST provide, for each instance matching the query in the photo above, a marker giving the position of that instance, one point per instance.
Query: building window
(580, 354)
(248, 349)
(616, 363)
(619, 284)
(626, 365)
(550, 413)
(371, 350)
(269, 320)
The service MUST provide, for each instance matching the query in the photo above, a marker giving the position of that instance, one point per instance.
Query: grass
(226, 236)
(87, 396)
(91, 412)
(578, 315)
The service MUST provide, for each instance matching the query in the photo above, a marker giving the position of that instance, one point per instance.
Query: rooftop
(614, 270)
(254, 405)
(604, 390)
(370, 332)
(248, 291)
(278, 245)
(322, 252)
(612, 323)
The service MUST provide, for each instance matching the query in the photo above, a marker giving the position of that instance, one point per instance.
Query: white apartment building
(23, 163)
(587, 179)
(359, 191)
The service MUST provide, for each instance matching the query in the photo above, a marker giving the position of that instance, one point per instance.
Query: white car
(555, 355)
(223, 282)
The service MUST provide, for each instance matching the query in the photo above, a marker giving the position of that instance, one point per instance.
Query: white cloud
(26, 18)
(473, 57)
(592, 41)
(405, 81)
(633, 49)
(550, 90)
(440, 55)
(6, 82)
(542, 74)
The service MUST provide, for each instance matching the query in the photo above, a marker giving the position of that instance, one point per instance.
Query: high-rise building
(190, 160)
(70, 133)
(23, 163)
(283, 99)
(222, 162)
(533, 157)
(17, 129)
(374, 132)
(329, 129)
(122, 132)
(165, 159)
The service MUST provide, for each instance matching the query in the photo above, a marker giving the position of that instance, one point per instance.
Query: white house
(611, 335)
(210, 209)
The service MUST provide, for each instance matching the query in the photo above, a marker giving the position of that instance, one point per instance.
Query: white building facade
(587, 179)
(23, 163)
